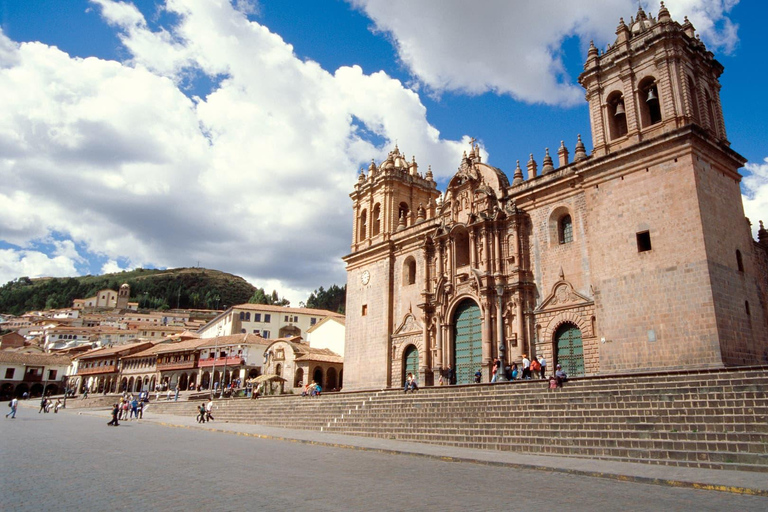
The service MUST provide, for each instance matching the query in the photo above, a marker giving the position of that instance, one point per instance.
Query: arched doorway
(467, 341)
(298, 379)
(205, 380)
(570, 349)
(123, 385)
(183, 382)
(288, 331)
(330, 379)
(317, 376)
(130, 385)
(410, 362)
(21, 389)
(192, 381)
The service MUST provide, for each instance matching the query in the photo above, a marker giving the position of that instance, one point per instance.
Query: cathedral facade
(636, 256)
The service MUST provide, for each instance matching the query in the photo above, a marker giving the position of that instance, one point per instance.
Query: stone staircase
(709, 418)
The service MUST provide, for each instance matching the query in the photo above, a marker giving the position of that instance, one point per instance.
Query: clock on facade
(365, 277)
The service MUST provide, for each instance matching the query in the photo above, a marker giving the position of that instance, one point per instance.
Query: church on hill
(634, 257)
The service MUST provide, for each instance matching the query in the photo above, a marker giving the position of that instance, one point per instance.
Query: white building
(269, 322)
(328, 333)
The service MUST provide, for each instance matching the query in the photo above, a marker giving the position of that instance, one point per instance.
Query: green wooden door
(411, 365)
(570, 350)
(467, 341)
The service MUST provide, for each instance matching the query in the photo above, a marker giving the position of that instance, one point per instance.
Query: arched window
(617, 116)
(650, 103)
(739, 261)
(461, 247)
(711, 112)
(362, 235)
(376, 227)
(694, 100)
(565, 229)
(409, 271)
(247, 317)
(242, 316)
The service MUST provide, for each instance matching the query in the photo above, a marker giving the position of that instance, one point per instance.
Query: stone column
(487, 337)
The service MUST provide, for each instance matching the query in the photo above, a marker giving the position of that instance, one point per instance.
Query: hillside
(157, 289)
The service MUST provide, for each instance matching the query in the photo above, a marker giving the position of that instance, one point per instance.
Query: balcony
(221, 361)
(176, 365)
(110, 368)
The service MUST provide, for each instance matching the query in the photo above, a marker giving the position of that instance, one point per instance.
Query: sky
(228, 134)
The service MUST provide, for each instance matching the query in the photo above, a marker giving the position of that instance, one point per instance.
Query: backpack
(535, 366)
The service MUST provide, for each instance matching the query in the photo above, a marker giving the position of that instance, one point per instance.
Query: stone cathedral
(634, 257)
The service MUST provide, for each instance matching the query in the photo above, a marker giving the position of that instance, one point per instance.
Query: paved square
(69, 461)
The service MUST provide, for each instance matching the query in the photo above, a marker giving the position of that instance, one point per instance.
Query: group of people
(129, 407)
(313, 389)
(531, 368)
(46, 404)
(204, 412)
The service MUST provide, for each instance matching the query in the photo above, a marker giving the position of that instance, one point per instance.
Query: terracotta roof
(115, 350)
(7, 356)
(253, 339)
(286, 309)
(325, 355)
(181, 346)
(144, 353)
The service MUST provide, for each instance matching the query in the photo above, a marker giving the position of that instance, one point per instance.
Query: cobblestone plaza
(71, 461)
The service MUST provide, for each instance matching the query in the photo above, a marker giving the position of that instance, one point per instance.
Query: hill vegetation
(152, 289)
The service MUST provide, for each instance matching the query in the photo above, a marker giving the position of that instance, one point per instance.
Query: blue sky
(228, 134)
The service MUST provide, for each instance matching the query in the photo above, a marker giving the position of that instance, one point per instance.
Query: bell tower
(656, 77)
(392, 197)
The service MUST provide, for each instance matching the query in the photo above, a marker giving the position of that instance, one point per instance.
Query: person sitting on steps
(411, 383)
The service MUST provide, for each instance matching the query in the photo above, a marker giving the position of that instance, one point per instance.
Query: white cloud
(253, 178)
(18, 263)
(515, 48)
(112, 267)
(755, 197)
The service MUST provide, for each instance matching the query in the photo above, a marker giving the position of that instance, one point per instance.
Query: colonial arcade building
(637, 256)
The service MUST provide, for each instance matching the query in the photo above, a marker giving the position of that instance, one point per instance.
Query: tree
(333, 299)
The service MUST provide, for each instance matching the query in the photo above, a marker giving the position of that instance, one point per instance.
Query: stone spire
(518, 178)
(547, 166)
(430, 176)
(531, 167)
(414, 166)
(622, 32)
(562, 155)
(762, 236)
(664, 14)
(581, 151)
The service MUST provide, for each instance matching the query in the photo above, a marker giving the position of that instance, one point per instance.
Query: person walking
(535, 368)
(43, 403)
(13, 404)
(208, 409)
(58, 406)
(543, 363)
(176, 398)
(526, 367)
(201, 413)
(496, 369)
(115, 412)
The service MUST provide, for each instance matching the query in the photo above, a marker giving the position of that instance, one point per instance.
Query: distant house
(31, 373)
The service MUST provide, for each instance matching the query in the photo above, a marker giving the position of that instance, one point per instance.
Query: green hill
(154, 289)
